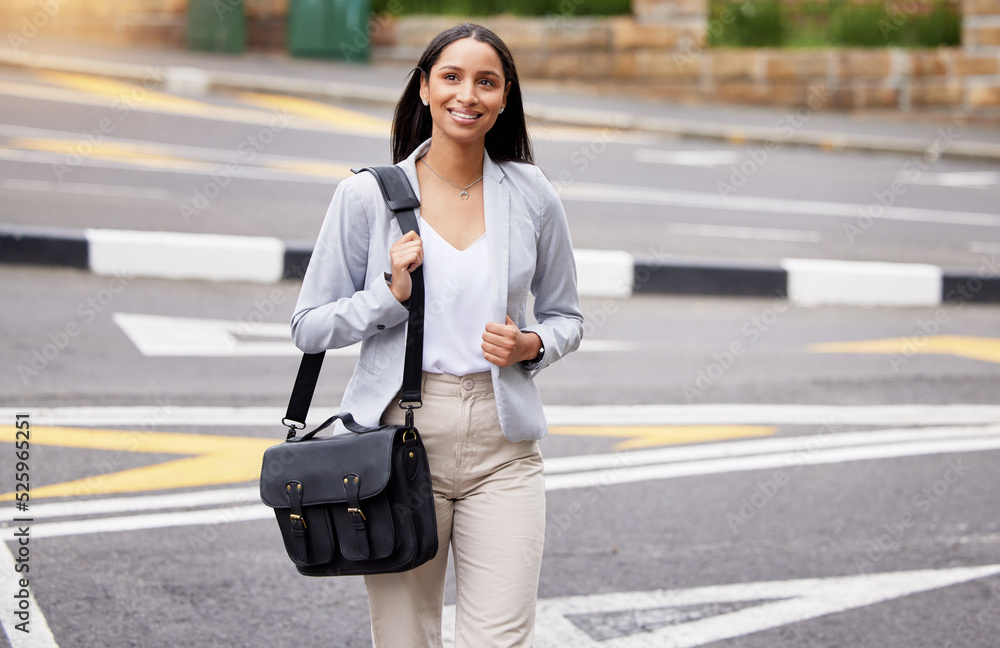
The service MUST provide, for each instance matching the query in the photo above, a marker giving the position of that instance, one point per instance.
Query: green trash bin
(329, 29)
(217, 25)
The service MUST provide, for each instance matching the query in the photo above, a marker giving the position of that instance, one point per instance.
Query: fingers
(407, 253)
(500, 343)
(405, 256)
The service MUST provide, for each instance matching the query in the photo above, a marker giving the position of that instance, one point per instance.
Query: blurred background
(782, 428)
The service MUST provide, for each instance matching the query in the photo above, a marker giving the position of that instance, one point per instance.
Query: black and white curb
(601, 273)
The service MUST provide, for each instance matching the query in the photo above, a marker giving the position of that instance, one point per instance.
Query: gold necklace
(465, 194)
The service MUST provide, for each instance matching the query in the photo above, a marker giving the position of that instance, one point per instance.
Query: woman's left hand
(505, 344)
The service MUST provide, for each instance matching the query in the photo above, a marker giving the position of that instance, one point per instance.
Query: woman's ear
(425, 91)
(506, 91)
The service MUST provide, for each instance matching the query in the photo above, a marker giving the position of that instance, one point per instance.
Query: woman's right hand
(406, 255)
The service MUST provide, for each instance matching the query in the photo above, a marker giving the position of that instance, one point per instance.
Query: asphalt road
(124, 156)
(720, 472)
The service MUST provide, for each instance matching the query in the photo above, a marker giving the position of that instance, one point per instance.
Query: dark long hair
(507, 141)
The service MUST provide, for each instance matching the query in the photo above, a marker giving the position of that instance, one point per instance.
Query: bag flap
(320, 465)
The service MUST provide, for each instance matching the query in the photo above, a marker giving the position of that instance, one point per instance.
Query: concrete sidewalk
(277, 72)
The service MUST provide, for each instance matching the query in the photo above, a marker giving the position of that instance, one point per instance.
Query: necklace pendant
(464, 195)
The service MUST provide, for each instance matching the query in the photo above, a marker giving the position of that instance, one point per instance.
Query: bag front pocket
(308, 540)
(365, 532)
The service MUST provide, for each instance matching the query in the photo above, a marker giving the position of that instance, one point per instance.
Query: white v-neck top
(457, 304)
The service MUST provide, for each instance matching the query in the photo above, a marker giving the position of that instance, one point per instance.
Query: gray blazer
(345, 298)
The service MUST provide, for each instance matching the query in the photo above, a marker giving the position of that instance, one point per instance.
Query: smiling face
(465, 91)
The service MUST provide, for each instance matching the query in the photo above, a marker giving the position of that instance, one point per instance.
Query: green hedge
(770, 23)
(516, 7)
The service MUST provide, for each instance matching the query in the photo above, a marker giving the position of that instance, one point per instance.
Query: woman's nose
(467, 93)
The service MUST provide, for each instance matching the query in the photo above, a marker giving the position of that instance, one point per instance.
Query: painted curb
(191, 79)
(601, 273)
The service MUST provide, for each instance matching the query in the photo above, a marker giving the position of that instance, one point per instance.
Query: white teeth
(464, 115)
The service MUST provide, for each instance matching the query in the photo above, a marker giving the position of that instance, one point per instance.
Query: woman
(492, 230)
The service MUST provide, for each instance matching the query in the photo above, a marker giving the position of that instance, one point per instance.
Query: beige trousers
(489, 497)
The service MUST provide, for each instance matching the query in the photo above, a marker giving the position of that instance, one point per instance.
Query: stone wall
(659, 51)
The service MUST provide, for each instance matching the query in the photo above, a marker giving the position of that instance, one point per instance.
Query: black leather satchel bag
(359, 503)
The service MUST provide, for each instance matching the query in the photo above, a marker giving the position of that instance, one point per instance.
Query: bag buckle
(293, 427)
(298, 518)
(356, 511)
(409, 412)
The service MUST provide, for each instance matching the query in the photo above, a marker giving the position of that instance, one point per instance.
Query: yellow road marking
(127, 92)
(212, 460)
(308, 167)
(217, 460)
(147, 156)
(154, 156)
(351, 120)
(963, 346)
(133, 99)
(649, 436)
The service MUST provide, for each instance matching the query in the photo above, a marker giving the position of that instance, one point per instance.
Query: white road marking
(39, 634)
(158, 336)
(829, 416)
(688, 158)
(198, 517)
(980, 247)
(619, 194)
(766, 605)
(166, 336)
(790, 453)
(764, 414)
(114, 505)
(794, 450)
(748, 233)
(111, 191)
(622, 473)
(954, 179)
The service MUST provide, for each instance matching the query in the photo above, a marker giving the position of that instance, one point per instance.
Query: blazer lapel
(496, 198)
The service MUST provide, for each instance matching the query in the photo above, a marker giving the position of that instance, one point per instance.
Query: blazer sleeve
(340, 303)
(557, 301)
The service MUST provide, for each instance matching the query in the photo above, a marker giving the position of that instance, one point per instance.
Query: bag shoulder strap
(401, 200)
